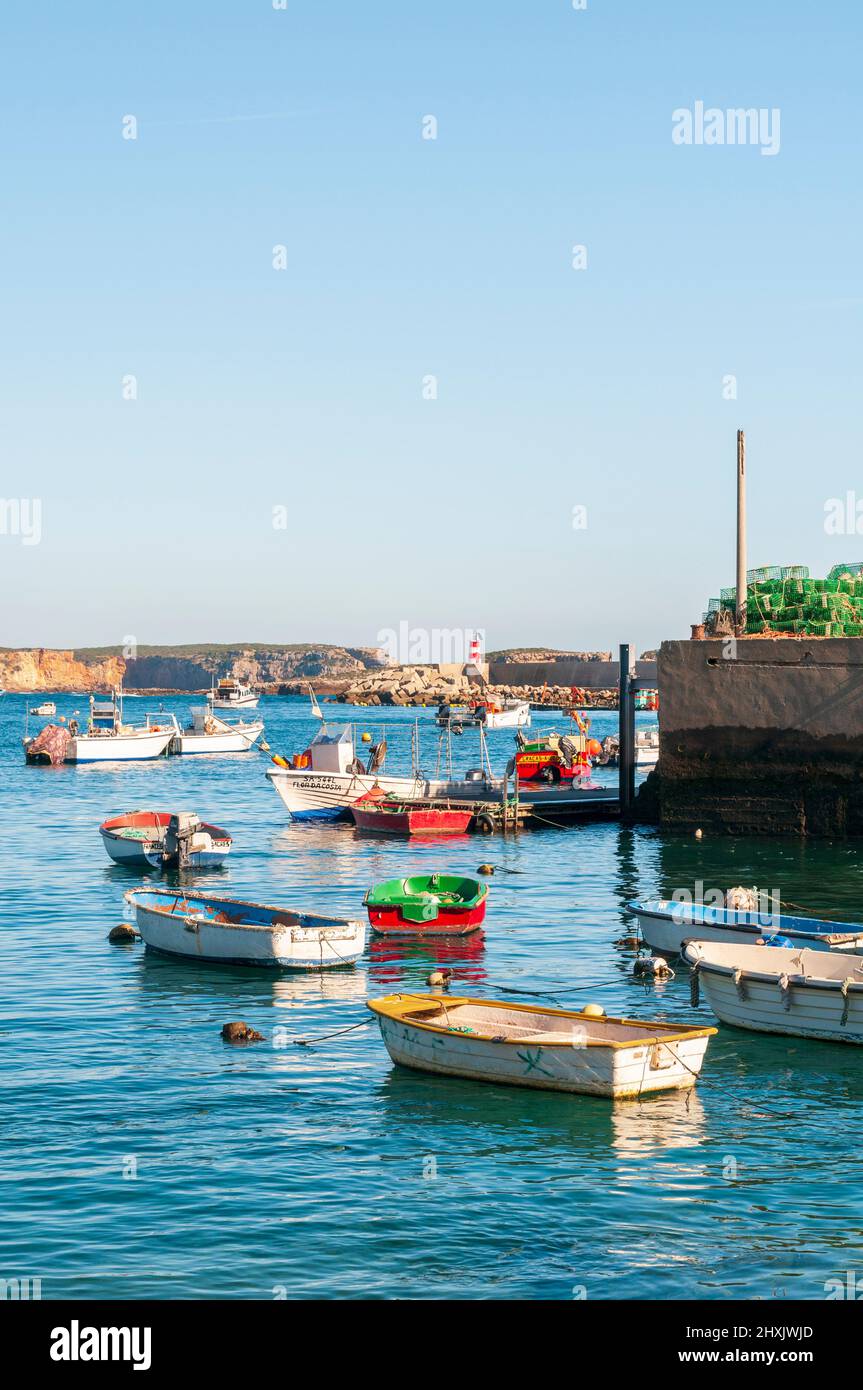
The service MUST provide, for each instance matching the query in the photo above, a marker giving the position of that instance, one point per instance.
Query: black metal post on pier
(626, 716)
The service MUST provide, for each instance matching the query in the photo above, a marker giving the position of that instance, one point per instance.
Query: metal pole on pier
(740, 614)
(626, 716)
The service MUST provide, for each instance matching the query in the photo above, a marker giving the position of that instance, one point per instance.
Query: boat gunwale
(707, 967)
(400, 1015)
(336, 922)
(854, 932)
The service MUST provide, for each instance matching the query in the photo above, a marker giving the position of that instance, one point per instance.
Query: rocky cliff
(41, 669)
(184, 668)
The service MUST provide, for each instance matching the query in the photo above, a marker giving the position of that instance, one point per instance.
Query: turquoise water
(143, 1157)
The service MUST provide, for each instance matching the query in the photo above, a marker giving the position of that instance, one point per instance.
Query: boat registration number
(323, 784)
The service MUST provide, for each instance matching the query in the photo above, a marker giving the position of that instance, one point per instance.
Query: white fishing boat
(141, 839)
(491, 714)
(229, 931)
(551, 1049)
(328, 777)
(232, 694)
(109, 739)
(647, 747)
(768, 989)
(45, 710)
(667, 925)
(209, 734)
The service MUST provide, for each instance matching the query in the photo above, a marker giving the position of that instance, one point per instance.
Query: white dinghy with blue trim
(667, 925)
(231, 931)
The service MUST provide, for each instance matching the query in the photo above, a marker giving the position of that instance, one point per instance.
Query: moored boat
(385, 816)
(492, 714)
(230, 931)
(233, 694)
(110, 739)
(768, 989)
(209, 734)
(667, 925)
(140, 839)
(427, 905)
(551, 1049)
(45, 710)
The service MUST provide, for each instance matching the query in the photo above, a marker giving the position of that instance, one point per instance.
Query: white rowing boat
(552, 1049)
(771, 989)
(230, 931)
(667, 925)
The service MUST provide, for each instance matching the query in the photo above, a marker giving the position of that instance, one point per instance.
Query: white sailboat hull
(112, 748)
(246, 702)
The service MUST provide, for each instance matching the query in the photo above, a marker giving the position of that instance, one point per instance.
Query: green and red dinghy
(427, 905)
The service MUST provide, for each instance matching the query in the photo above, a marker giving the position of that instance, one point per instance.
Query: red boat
(411, 817)
(427, 905)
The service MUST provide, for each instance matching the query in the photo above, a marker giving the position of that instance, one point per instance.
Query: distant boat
(232, 694)
(551, 1049)
(209, 734)
(109, 739)
(427, 905)
(139, 839)
(229, 931)
(511, 714)
(45, 710)
(667, 925)
(768, 989)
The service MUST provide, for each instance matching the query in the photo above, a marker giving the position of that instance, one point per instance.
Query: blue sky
(302, 388)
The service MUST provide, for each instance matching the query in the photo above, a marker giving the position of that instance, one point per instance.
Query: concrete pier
(761, 736)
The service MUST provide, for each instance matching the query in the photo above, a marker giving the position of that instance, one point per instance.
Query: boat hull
(110, 748)
(668, 932)
(407, 821)
(317, 795)
(757, 1002)
(237, 741)
(620, 1071)
(287, 946)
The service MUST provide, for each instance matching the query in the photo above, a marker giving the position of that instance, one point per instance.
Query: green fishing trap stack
(786, 599)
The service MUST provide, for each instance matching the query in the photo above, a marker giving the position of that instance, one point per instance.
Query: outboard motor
(181, 839)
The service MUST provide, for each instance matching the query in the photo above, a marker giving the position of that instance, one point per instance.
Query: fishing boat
(387, 816)
(427, 905)
(49, 746)
(666, 926)
(229, 931)
(139, 839)
(232, 694)
(45, 710)
(207, 733)
(492, 714)
(110, 739)
(801, 993)
(553, 758)
(552, 1049)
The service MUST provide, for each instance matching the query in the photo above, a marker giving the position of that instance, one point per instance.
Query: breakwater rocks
(426, 685)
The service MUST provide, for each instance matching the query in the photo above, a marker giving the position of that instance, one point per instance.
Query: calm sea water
(143, 1157)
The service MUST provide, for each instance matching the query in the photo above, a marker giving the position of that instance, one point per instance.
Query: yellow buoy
(367, 738)
(593, 1011)
(485, 869)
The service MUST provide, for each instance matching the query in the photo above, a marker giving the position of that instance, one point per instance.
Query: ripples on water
(305, 1170)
